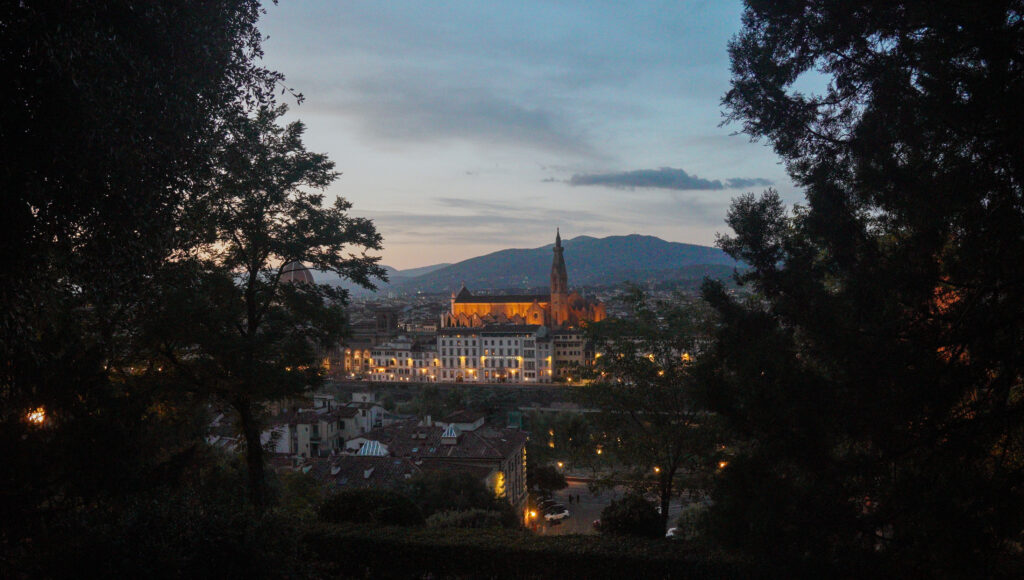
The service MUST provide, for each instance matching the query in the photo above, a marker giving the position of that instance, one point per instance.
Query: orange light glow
(38, 416)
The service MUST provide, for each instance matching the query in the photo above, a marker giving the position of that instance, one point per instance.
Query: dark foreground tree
(632, 515)
(109, 120)
(650, 422)
(877, 380)
(235, 323)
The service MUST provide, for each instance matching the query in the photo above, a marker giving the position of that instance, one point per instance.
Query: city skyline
(467, 129)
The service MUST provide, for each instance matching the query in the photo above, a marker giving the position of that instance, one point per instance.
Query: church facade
(557, 309)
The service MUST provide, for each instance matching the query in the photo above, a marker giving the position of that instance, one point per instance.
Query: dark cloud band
(663, 178)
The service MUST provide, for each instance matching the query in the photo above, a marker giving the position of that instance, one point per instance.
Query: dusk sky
(463, 128)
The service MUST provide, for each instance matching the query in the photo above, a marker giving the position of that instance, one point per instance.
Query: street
(583, 514)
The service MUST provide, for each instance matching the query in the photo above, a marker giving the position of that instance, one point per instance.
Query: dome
(295, 272)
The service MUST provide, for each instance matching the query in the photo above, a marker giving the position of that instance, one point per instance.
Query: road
(589, 509)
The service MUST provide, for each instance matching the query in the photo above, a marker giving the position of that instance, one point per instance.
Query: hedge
(394, 552)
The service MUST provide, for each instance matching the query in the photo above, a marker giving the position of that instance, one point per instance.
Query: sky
(463, 128)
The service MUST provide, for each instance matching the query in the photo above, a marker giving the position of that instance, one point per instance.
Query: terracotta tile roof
(503, 298)
(409, 439)
(465, 416)
(365, 471)
(490, 329)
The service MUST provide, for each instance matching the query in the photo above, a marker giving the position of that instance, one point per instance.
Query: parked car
(556, 512)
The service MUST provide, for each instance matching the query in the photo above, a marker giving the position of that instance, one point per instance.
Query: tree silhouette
(876, 377)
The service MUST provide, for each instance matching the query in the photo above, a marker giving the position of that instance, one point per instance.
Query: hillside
(590, 261)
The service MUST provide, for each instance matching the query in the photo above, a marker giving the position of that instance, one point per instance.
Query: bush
(632, 516)
(442, 491)
(370, 506)
(474, 518)
(693, 521)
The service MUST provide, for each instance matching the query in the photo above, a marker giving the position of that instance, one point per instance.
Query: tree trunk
(665, 487)
(253, 454)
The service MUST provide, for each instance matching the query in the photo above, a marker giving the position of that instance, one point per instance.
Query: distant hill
(394, 276)
(414, 272)
(590, 261)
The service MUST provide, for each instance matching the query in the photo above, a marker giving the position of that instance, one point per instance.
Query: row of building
(488, 354)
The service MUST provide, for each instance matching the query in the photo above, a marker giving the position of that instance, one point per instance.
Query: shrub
(370, 506)
(474, 518)
(442, 491)
(693, 521)
(632, 516)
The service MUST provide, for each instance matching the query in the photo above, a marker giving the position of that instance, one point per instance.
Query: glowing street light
(37, 416)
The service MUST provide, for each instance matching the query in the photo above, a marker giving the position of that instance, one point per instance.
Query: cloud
(662, 178)
(407, 106)
(741, 182)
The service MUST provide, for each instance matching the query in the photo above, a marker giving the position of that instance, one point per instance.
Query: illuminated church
(558, 309)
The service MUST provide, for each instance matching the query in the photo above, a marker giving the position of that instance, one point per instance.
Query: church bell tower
(559, 286)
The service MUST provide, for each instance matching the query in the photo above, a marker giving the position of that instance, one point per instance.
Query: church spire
(559, 285)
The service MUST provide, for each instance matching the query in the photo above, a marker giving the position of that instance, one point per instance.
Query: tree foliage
(370, 506)
(650, 420)
(545, 478)
(441, 491)
(229, 324)
(111, 117)
(632, 515)
(876, 381)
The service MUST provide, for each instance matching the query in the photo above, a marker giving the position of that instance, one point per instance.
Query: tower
(559, 286)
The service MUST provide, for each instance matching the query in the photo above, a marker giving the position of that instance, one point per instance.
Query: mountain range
(590, 262)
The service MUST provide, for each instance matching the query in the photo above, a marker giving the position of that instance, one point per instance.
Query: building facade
(495, 354)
